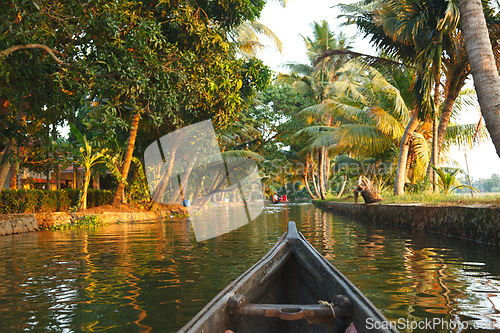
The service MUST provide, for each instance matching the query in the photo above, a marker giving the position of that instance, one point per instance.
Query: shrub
(87, 221)
(42, 201)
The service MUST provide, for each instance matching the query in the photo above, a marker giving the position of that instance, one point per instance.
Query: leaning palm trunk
(399, 183)
(326, 170)
(483, 66)
(306, 180)
(315, 184)
(120, 189)
(179, 192)
(342, 187)
(445, 117)
(307, 185)
(159, 192)
(321, 174)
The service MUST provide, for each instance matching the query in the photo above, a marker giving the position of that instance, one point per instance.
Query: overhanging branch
(47, 49)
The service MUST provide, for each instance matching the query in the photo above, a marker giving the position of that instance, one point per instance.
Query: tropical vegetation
(121, 74)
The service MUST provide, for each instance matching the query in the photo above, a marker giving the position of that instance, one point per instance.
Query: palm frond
(235, 154)
(464, 136)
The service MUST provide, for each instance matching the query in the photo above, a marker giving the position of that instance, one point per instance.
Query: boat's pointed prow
(292, 231)
(292, 289)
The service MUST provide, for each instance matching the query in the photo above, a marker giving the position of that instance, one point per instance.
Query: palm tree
(87, 159)
(368, 116)
(311, 79)
(483, 65)
(246, 38)
(407, 29)
(456, 69)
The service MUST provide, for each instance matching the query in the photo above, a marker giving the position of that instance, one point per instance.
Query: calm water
(153, 277)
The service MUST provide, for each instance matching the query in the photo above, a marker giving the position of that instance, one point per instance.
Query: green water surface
(154, 276)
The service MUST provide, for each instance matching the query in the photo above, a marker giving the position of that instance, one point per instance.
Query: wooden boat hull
(292, 272)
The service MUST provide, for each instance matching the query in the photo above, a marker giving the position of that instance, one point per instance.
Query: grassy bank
(431, 199)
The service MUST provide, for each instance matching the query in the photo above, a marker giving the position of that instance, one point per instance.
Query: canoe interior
(291, 284)
(293, 272)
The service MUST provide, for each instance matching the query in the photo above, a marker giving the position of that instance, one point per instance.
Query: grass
(431, 199)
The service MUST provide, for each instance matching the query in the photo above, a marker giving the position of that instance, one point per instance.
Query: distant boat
(291, 289)
(281, 199)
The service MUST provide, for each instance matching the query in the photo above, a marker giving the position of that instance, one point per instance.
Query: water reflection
(153, 277)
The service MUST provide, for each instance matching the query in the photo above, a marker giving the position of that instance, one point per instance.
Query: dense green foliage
(99, 64)
(124, 73)
(40, 201)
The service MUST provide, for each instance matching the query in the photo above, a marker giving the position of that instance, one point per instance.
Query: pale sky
(294, 20)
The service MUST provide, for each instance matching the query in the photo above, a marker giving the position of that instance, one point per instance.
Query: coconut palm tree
(414, 31)
(483, 65)
(370, 114)
(246, 38)
(311, 79)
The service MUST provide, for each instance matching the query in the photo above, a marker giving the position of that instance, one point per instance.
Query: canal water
(154, 276)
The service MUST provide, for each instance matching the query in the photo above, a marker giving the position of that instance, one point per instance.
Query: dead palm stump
(367, 191)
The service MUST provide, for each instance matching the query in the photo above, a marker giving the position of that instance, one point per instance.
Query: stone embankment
(477, 222)
(19, 223)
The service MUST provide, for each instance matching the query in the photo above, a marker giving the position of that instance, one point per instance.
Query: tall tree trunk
(13, 177)
(399, 183)
(159, 191)
(321, 176)
(326, 170)
(434, 153)
(4, 163)
(446, 115)
(315, 184)
(58, 178)
(307, 186)
(181, 190)
(435, 156)
(343, 186)
(483, 66)
(409, 161)
(198, 188)
(305, 176)
(120, 189)
(83, 200)
(75, 175)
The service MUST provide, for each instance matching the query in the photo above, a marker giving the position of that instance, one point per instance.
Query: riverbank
(477, 222)
(20, 223)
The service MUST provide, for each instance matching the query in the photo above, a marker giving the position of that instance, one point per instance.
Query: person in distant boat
(275, 198)
(285, 199)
